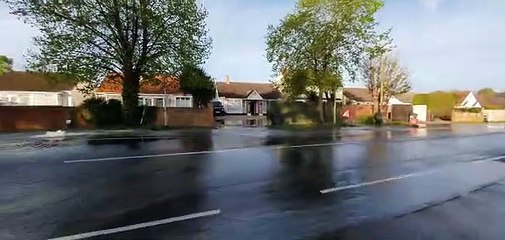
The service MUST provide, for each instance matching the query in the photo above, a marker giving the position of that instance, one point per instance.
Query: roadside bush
(470, 110)
(293, 113)
(367, 120)
(97, 112)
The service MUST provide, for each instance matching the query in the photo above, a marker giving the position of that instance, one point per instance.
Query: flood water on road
(238, 183)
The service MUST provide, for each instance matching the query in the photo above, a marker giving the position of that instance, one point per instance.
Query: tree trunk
(320, 107)
(130, 94)
(375, 99)
(335, 107)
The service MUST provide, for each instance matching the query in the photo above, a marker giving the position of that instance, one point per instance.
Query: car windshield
(217, 104)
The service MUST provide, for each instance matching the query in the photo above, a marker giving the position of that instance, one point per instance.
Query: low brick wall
(29, 118)
(461, 116)
(185, 117)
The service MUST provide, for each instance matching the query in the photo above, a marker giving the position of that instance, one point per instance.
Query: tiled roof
(25, 81)
(243, 89)
(358, 94)
(406, 97)
(158, 85)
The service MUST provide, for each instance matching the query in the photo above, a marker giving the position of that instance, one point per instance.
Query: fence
(184, 117)
(494, 115)
(462, 116)
(401, 112)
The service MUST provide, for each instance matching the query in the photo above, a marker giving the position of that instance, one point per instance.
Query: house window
(159, 102)
(14, 100)
(4, 99)
(150, 102)
(183, 102)
(24, 99)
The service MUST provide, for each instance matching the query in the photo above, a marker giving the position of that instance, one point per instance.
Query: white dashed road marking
(363, 184)
(140, 225)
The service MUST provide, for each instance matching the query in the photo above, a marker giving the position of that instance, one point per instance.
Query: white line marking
(337, 189)
(140, 225)
(196, 153)
(212, 151)
(149, 156)
(490, 159)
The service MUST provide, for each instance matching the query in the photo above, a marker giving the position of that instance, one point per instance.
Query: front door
(252, 107)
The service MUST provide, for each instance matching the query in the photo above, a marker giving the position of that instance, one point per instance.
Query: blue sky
(445, 44)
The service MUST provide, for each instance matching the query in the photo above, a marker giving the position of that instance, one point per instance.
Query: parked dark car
(218, 108)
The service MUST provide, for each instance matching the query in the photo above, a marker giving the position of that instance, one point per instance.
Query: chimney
(227, 79)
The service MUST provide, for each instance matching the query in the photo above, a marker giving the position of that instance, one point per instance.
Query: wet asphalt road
(255, 183)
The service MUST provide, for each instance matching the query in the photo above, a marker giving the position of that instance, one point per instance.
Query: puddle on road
(243, 122)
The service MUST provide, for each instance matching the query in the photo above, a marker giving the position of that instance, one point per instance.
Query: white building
(469, 101)
(246, 97)
(29, 89)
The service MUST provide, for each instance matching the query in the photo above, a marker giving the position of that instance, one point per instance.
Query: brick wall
(185, 117)
(358, 111)
(29, 118)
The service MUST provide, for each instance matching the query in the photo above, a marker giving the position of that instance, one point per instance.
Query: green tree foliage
(314, 46)
(5, 64)
(486, 91)
(196, 82)
(85, 40)
(420, 99)
(441, 104)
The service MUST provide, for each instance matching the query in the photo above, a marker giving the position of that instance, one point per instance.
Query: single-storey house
(491, 105)
(246, 97)
(160, 92)
(362, 96)
(468, 99)
(32, 89)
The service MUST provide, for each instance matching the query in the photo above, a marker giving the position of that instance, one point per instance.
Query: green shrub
(420, 99)
(97, 112)
(494, 107)
(470, 110)
(293, 113)
(366, 120)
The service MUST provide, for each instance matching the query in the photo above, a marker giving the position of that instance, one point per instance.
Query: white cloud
(431, 5)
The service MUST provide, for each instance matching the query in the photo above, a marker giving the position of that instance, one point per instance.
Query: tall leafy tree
(325, 40)
(137, 39)
(196, 82)
(385, 77)
(5, 64)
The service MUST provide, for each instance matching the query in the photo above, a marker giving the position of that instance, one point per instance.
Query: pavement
(255, 183)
